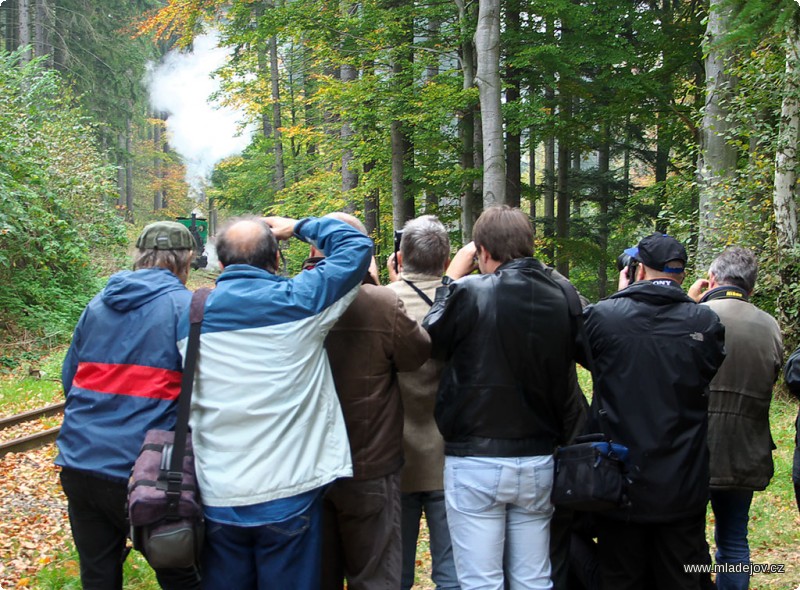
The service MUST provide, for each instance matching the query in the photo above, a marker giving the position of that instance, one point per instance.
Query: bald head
(349, 220)
(247, 240)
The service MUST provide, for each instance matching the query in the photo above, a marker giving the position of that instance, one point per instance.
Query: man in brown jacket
(422, 260)
(739, 438)
(370, 343)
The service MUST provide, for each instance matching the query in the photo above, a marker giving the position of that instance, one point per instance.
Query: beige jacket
(422, 443)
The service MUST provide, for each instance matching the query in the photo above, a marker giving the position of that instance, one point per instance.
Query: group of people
(330, 412)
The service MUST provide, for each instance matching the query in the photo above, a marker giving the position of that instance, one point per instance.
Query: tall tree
(487, 77)
(716, 165)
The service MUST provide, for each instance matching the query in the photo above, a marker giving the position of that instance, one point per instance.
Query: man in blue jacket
(267, 428)
(122, 377)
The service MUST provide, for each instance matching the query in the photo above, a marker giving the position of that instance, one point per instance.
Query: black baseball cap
(656, 250)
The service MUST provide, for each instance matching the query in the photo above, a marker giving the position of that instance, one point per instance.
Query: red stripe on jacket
(135, 380)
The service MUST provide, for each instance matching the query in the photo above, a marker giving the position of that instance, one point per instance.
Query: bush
(56, 202)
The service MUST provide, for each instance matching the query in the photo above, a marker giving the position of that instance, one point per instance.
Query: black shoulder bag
(164, 508)
(591, 474)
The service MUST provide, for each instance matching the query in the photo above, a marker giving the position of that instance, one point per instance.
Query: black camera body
(398, 236)
(631, 264)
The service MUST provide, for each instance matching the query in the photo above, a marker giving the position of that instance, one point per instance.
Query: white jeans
(498, 511)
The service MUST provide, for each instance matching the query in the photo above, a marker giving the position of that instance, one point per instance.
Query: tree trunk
(41, 29)
(158, 193)
(261, 56)
(401, 143)
(431, 72)
(487, 77)
(717, 159)
(513, 137)
(784, 202)
(663, 146)
(470, 202)
(309, 113)
(549, 180)
(562, 212)
(349, 174)
(348, 74)
(372, 206)
(274, 74)
(121, 159)
(532, 178)
(24, 27)
(604, 200)
(128, 172)
(10, 32)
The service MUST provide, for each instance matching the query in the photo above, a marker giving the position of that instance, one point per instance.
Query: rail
(31, 441)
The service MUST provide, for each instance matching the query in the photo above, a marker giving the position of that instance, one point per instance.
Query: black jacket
(508, 341)
(655, 352)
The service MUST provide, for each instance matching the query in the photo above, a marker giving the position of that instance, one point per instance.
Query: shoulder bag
(164, 508)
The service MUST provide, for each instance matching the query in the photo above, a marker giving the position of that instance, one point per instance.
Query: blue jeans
(284, 554)
(732, 513)
(443, 568)
(499, 510)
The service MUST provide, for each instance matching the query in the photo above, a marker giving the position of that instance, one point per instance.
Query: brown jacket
(739, 437)
(370, 343)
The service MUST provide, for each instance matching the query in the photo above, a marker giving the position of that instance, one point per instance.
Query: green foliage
(57, 228)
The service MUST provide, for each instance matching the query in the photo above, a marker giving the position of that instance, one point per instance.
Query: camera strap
(419, 291)
(726, 292)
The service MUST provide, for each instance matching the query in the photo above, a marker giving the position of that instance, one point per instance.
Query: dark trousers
(361, 539)
(645, 556)
(99, 525)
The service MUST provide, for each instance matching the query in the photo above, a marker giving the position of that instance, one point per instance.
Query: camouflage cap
(165, 235)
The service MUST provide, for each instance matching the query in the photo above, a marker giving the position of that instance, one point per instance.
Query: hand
(394, 274)
(623, 280)
(373, 271)
(698, 289)
(463, 262)
(282, 227)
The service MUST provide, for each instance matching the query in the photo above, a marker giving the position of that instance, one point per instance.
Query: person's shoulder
(378, 294)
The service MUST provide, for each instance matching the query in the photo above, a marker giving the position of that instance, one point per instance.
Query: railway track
(30, 441)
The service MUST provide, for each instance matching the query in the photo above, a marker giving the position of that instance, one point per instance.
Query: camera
(631, 264)
(398, 235)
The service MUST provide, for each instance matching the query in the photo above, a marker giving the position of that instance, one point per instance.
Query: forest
(605, 120)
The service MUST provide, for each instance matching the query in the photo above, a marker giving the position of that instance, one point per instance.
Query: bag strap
(419, 291)
(576, 311)
(175, 473)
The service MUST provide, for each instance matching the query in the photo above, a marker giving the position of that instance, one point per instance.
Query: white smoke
(199, 130)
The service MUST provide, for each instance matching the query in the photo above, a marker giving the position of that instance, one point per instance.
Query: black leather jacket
(655, 352)
(508, 340)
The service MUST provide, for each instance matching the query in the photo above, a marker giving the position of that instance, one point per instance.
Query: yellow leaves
(179, 17)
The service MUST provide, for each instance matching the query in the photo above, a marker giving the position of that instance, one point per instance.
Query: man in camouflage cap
(122, 377)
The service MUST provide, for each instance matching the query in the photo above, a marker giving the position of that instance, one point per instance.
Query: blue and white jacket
(122, 373)
(266, 421)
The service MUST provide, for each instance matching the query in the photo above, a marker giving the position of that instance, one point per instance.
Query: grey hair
(735, 266)
(425, 246)
(176, 261)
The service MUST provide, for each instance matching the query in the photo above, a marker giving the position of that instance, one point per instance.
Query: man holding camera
(655, 351)
(421, 257)
(372, 341)
(508, 340)
(739, 438)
